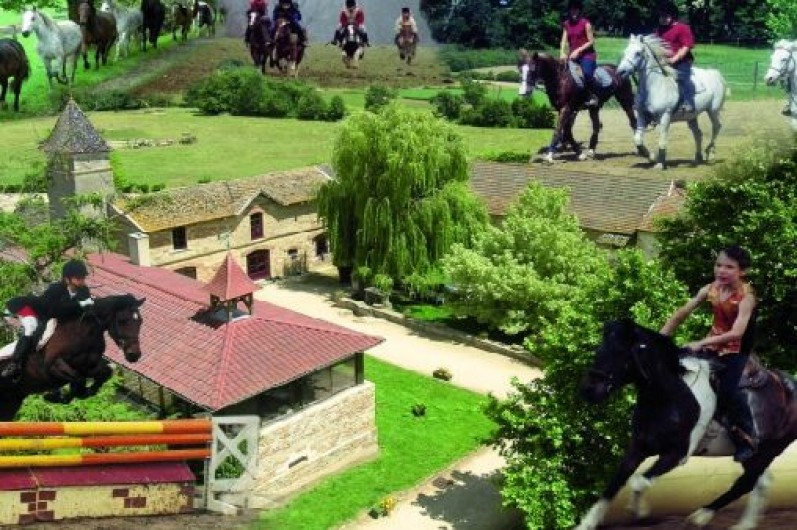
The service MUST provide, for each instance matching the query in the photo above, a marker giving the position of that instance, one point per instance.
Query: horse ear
(140, 302)
(535, 55)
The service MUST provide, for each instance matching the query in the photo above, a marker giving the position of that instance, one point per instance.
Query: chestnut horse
(288, 49)
(75, 353)
(567, 98)
(406, 42)
(97, 28)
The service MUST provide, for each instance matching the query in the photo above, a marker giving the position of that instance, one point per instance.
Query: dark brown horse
(181, 18)
(260, 43)
(567, 98)
(98, 29)
(672, 418)
(154, 13)
(288, 48)
(13, 63)
(75, 353)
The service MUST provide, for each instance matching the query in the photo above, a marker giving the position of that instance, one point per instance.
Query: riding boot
(21, 351)
(743, 430)
(364, 37)
(335, 38)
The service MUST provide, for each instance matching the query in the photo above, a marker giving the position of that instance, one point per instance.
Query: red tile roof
(230, 281)
(211, 363)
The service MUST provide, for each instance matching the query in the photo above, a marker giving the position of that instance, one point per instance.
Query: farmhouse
(614, 211)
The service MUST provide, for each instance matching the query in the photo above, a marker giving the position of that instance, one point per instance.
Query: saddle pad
(602, 78)
(575, 73)
(8, 350)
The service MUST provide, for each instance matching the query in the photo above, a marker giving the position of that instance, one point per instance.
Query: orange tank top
(725, 313)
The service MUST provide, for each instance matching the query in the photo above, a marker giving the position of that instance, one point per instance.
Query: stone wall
(318, 441)
(70, 175)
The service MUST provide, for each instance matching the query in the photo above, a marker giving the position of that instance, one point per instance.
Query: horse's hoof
(701, 517)
(589, 154)
(548, 158)
(642, 151)
(660, 166)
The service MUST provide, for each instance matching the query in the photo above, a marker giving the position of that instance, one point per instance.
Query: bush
(460, 59)
(530, 115)
(506, 157)
(447, 104)
(490, 113)
(443, 374)
(244, 88)
(474, 92)
(508, 76)
(336, 110)
(273, 103)
(378, 96)
(418, 410)
(311, 106)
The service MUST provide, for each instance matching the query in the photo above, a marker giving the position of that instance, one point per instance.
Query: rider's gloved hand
(86, 303)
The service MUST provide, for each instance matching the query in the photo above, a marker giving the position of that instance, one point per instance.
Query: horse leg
(697, 134)
(10, 405)
(17, 86)
(664, 132)
(557, 135)
(594, 118)
(639, 483)
(632, 459)
(3, 90)
(100, 375)
(715, 130)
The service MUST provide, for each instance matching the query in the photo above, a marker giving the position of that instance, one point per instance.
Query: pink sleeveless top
(725, 313)
(577, 36)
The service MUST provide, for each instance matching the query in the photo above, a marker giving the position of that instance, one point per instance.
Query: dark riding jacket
(60, 304)
(288, 11)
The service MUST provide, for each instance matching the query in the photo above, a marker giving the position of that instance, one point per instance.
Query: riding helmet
(575, 4)
(668, 9)
(405, 9)
(74, 268)
(351, 3)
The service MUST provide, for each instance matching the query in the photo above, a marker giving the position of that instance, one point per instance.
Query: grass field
(411, 449)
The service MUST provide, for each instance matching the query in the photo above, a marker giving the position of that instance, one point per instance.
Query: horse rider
(729, 341)
(406, 20)
(351, 14)
(255, 6)
(578, 45)
(680, 39)
(289, 10)
(61, 300)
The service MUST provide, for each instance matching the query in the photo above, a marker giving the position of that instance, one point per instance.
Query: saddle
(601, 79)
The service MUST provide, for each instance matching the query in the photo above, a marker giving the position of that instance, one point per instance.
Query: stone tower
(77, 161)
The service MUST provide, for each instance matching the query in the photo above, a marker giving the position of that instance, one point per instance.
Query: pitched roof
(210, 363)
(73, 133)
(230, 281)
(665, 206)
(602, 202)
(204, 202)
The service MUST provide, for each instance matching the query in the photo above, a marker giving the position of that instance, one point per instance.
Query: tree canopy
(781, 18)
(400, 197)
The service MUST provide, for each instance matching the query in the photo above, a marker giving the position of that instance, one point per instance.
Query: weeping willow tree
(400, 198)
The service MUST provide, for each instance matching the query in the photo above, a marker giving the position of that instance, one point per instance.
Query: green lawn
(411, 449)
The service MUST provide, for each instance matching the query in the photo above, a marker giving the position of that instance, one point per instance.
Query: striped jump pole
(93, 428)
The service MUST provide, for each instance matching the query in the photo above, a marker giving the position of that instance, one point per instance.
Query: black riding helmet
(575, 4)
(351, 3)
(74, 268)
(668, 9)
(405, 9)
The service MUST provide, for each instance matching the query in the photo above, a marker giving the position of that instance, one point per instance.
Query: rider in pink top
(578, 45)
(681, 41)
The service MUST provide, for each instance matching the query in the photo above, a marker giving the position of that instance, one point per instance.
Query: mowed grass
(411, 449)
(227, 147)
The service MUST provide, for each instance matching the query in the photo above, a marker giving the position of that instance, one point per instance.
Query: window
(256, 225)
(293, 254)
(321, 246)
(258, 264)
(187, 271)
(179, 239)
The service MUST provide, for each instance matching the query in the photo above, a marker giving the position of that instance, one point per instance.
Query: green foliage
(524, 273)
(490, 112)
(559, 452)
(781, 18)
(460, 59)
(473, 92)
(507, 156)
(761, 188)
(447, 105)
(428, 285)
(312, 106)
(531, 115)
(336, 110)
(508, 76)
(418, 410)
(378, 96)
(400, 198)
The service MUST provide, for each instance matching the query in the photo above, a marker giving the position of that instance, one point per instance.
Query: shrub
(378, 96)
(473, 92)
(108, 100)
(490, 113)
(460, 59)
(447, 104)
(383, 282)
(387, 505)
(273, 103)
(530, 115)
(509, 76)
(443, 373)
(506, 156)
(418, 410)
(336, 109)
(210, 96)
(244, 88)
(311, 106)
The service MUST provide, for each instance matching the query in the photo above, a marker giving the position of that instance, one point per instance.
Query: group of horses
(284, 51)
(658, 100)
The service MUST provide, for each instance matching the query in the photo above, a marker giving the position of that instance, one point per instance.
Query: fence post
(755, 75)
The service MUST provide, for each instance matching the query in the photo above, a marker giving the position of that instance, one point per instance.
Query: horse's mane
(115, 303)
(663, 346)
(50, 23)
(660, 49)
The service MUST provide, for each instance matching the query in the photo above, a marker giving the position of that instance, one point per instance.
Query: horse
(288, 50)
(783, 67)
(74, 353)
(98, 29)
(129, 23)
(181, 18)
(57, 41)
(568, 99)
(260, 43)
(204, 17)
(13, 63)
(672, 418)
(406, 42)
(658, 96)
(153, 13)
(351, 46)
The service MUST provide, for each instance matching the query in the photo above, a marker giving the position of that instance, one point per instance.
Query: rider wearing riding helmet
(61, 300)
(680, 39)
(255, 6)
(351, 14)
(403, 21)
(289, 10)
(729, 342)
(578, 45)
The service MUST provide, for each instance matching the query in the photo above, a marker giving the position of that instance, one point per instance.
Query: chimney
(138, 243)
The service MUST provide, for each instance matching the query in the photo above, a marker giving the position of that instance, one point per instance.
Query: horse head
(633, 57)
(782, 62)
(106, 6)
(29, 18)
(85, 14)
(121, 317)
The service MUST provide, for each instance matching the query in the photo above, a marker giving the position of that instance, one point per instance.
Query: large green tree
(751, 201)
(521, 274)
(781, 18)
(400, 196)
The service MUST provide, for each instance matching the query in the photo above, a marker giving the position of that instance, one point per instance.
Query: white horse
(658, 95)
(129, 23)
(58, 41)
(783, 67)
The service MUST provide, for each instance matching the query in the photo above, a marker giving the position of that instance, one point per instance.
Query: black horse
(154, 13)
(672, 418)
(260, 44)
(75, 353)
(13, 63)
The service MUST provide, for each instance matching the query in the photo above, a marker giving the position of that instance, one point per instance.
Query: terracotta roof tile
(210, 363)
(230, 281)
(665, 206)
(216, 200)
(73, 133)
(602, 202)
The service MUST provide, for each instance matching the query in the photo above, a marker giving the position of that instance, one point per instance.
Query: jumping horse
(568, 99)
(351, 46)
(260, 43)
(98, 29)
(406, 42)
(659, 99)
(288, 49)
(75, 353)
(673, 418)
(783, 67)
(13, 63)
